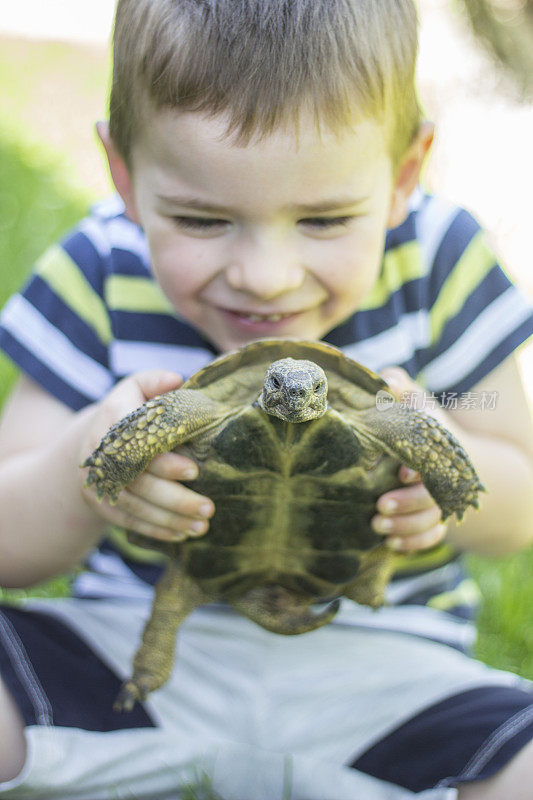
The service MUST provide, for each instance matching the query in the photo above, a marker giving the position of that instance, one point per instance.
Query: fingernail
(205, 510)
(383, 525)
(388, 505)
(190, 474)
(395, 543)
(408, 474)
(198, 527)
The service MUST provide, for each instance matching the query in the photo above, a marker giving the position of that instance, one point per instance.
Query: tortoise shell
(293, 501)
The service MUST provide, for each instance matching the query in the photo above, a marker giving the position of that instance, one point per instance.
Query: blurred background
(475, 77)
(54, 68)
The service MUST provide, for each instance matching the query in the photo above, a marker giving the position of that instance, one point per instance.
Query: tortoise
(294, 443)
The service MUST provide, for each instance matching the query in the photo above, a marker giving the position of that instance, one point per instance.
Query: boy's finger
(407, 524)
(405, 500)
(172, 496)
(173, 467)
(157, 381)
(179, 531)
(420, 541)
(132, 392)
(399, 381)
(408, 475)
(135, 510)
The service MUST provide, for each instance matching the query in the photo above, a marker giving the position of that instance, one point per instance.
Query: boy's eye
(199, 223)
(211, 223)
(323, 223)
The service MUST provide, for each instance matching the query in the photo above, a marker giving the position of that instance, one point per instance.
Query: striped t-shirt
(442, 308)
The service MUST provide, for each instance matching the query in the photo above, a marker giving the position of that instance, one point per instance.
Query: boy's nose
(265, 281)
(265, 271)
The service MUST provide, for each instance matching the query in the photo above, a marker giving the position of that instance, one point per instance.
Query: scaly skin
(156, 427)
(175, 597)
(423, 444)
(377, 567)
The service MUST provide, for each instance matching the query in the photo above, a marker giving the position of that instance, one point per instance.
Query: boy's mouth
(262, 317)
(252, 320)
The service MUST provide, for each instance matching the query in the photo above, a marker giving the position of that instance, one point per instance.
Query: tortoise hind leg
(175, 597)
(376, 569)
(281, 611)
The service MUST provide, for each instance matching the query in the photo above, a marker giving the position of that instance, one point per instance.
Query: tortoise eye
(318, 386)
(275, 382)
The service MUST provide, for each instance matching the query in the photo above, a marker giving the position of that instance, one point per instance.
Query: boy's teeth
(263, 318)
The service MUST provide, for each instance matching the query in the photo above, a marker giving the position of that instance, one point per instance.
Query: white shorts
(340, 713)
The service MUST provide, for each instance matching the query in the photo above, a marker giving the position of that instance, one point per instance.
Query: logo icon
(384, 400)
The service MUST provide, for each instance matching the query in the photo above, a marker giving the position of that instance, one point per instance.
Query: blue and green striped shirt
(91, 313)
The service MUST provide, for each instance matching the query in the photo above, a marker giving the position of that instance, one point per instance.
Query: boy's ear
(120, 173)
(409, 173)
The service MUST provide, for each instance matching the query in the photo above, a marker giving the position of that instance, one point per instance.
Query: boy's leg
(514, 781)
(12, 741)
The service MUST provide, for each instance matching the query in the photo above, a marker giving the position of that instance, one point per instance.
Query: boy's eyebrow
(309, 208)
(328, 205)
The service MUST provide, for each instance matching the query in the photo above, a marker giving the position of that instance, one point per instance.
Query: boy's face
(278, 238)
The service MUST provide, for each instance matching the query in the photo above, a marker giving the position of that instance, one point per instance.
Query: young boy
(267, 154)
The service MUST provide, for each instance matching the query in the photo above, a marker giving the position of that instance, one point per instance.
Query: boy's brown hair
(261, 62)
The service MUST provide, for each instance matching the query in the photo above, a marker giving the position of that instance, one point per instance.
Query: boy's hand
(409, 516)
(155, 503)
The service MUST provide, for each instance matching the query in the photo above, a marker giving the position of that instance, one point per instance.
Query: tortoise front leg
(175, 597)
(156, 427)
(423, 444)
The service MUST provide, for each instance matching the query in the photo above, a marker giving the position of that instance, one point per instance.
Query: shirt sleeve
(476, 316)
(57, 329)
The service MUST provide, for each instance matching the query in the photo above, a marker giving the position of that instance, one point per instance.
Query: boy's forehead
(175, 138)
(194, 151)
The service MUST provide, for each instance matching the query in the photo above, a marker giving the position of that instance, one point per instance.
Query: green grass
(57, 587)
(505, 622)
(200, 788)
(37, 206)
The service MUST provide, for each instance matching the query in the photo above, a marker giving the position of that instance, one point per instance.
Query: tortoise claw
(128, 695)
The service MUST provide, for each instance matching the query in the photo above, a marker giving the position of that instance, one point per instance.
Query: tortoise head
(295, 390)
